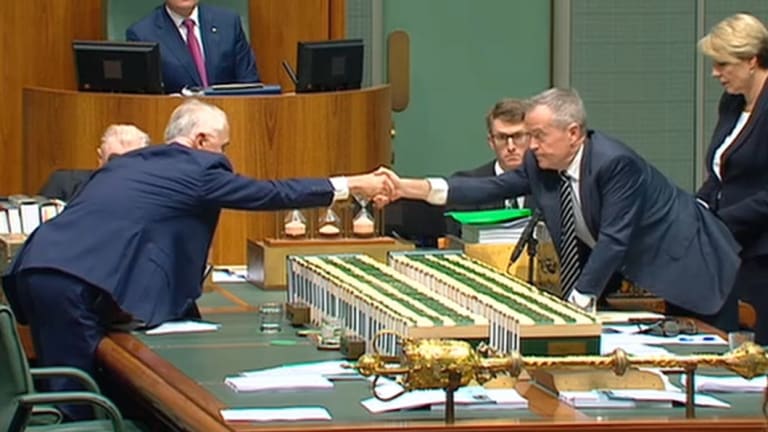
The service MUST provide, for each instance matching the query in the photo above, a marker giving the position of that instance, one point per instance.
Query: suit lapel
(760, 107)
(209, 33)
(171, 38)
(585, 189)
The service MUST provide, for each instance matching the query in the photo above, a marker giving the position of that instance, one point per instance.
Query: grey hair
(127, 136)
(566, 106)
(192, 117)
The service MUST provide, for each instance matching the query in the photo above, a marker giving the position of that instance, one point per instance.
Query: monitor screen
(123, 67)
(329, 65)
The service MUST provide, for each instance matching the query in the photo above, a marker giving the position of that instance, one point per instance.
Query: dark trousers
(726, 319)
(65, 325)
(752, 287)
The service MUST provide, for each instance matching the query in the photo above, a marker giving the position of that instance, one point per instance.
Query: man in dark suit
(134, 242)
(509, 142)
(200, 45)
(117, 139)
(625, 216)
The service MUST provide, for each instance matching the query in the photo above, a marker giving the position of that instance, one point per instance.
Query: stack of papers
(174, 327)
(636, 399)
(275, 414)
(470, 397)
(277, 382)
(299, 376)
(506, 232)
(729, 384)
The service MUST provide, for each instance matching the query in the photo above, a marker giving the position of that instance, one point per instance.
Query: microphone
(289, 71)
(525, 237)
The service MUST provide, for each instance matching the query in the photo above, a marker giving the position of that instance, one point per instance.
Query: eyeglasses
(518, 138)
(671, 328)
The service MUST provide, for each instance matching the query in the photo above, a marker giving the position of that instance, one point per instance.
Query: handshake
(383, 186)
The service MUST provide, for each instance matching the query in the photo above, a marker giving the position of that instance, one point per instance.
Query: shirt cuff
(581, 300)
(340, 188)
(438, 191)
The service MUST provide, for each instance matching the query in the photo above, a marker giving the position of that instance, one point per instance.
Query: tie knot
(189, 23)
(564, 176)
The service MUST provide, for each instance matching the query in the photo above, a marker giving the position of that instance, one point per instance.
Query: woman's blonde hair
(738, 37)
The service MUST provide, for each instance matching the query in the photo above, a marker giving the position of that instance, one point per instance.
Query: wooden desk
(189, 403)
(272, 137)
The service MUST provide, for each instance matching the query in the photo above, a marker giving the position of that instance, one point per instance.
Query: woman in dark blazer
(737, 160)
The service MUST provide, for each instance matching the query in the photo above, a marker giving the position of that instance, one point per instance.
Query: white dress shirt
(178, 20)
(508, 202)
(727, 142)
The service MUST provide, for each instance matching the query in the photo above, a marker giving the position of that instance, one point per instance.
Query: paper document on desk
(645, 396)
(285, 381)
(233, 274)
(275, 414)
(174, 327)
(610, 316)
(330, 369)
(728, 384)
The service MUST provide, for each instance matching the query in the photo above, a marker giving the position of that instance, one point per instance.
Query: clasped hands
(382, 186)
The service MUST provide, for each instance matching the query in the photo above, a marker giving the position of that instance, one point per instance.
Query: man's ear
(574, 131)
(199, 141)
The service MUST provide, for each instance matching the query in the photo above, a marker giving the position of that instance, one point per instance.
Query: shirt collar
(574, 169)
(497, 168)
(177, 19)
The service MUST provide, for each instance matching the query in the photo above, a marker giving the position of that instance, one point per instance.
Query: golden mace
(449, 364)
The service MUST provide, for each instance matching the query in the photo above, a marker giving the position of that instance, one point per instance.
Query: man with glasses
(609, 211)
(509, 141)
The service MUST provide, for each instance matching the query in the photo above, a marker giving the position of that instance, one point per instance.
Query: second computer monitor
(329, 65)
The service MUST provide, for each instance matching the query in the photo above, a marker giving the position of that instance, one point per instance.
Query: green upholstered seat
(18, 397)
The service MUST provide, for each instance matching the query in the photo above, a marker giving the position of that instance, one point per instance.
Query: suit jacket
(646, 228)
(228, 56)
(65, 184)
(147, 245)
(741, 197)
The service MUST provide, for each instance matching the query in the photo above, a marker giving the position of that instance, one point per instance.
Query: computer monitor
(329, 65)
(121, 67)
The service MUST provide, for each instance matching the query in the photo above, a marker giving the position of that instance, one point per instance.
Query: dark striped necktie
(570, 266)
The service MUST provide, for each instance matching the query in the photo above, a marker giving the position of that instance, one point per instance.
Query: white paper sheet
(277, 382)
(728, 384)
(275, 414)
(331, 369)
(174, 327)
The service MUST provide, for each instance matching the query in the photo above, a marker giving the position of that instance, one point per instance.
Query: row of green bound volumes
(22, 214)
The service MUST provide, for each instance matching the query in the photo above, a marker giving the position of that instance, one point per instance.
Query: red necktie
(194, 49)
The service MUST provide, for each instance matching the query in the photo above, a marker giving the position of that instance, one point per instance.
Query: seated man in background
(509, 141)
(117, 139)
(135, 240)
(200, 45)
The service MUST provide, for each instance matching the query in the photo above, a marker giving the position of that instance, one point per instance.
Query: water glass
(270, 317)
(737, 338)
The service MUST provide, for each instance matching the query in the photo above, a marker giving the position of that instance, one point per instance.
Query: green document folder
(483, 217)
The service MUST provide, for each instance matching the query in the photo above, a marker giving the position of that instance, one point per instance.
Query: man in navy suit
(629, 218)
(218, 35)
(134, 241)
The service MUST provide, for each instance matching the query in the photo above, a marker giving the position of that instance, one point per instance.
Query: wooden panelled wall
(277, 25)
(36, 50)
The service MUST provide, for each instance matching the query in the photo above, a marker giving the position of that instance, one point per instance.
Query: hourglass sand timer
(329, 224)
(363, 223)
(295, 224)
